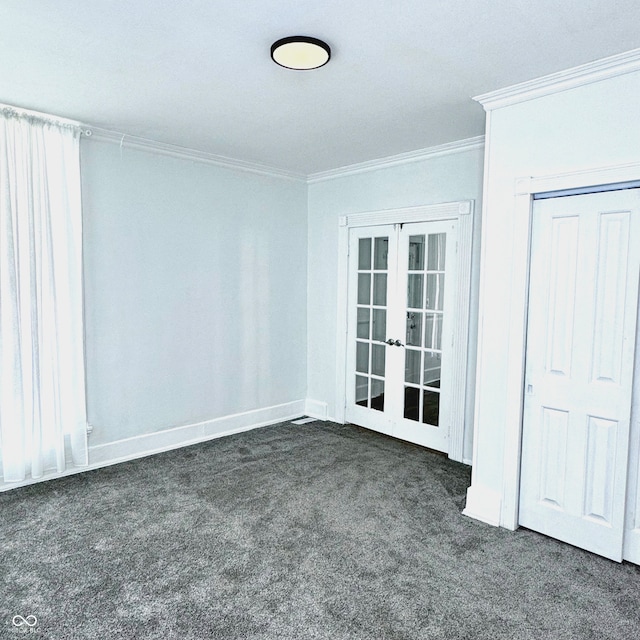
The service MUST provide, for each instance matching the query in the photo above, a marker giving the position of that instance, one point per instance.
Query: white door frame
(462, 212)
(525, 189)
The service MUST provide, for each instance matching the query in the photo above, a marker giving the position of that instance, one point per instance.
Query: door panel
(585, 258)
(631, 547)
(371, 250)
(426, 275)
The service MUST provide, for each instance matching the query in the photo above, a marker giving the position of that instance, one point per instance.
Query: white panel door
(631, 549)
(372, 268)
(401, 308)
(425, 314)
(585, 259)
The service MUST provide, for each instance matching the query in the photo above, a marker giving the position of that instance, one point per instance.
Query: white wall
(585, 127)
(444, 178)
(195, 279)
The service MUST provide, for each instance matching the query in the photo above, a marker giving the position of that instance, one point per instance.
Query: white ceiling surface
(197, 73)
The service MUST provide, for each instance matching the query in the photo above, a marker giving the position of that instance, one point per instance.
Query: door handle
(394, 343)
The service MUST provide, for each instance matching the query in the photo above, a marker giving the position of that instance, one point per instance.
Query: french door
(401, 298)
(583, 301)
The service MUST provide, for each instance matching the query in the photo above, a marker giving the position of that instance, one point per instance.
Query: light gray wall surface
(195, 290)
(444, 178)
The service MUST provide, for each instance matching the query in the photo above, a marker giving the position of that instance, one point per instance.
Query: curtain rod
(40, 114)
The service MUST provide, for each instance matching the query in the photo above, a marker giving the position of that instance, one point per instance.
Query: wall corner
(315, 409)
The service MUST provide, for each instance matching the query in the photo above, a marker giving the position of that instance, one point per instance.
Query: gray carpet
(292, 532)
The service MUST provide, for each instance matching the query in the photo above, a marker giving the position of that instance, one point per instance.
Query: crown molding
(602, 69)
(184, 153)
(400, 159)
(175, 151)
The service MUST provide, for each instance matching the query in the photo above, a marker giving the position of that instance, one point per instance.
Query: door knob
(391, 342)
(398, 343)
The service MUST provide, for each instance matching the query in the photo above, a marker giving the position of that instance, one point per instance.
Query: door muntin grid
(371, 321)
(424, 320)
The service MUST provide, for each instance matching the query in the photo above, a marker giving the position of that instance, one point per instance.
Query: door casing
(505, 503)
(463, 213)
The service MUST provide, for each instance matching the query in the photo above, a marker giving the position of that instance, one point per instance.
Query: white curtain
(42, 380)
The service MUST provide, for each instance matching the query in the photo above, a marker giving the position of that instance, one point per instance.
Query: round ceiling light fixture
(300, 52)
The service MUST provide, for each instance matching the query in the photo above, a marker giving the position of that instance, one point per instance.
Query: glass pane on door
(424, 318)
(414, 291)
(362, 331)
(379, 325)
(414, 328)
(364, 253)
(416, 253)
(435, 291)
(371, 317)
(412, 366)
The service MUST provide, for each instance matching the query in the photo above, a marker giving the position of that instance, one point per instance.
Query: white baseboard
(483, 504)
(105, 455)
(315, 409)
(159, 441)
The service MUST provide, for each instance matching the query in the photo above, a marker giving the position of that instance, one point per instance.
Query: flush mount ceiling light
(300, 52)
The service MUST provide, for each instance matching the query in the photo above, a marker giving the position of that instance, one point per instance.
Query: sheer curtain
(42, 382)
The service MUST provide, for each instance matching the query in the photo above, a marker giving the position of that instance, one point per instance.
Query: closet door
(631, 548)
(583, 298)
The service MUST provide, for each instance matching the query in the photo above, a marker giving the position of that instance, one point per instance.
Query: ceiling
(197, 73)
